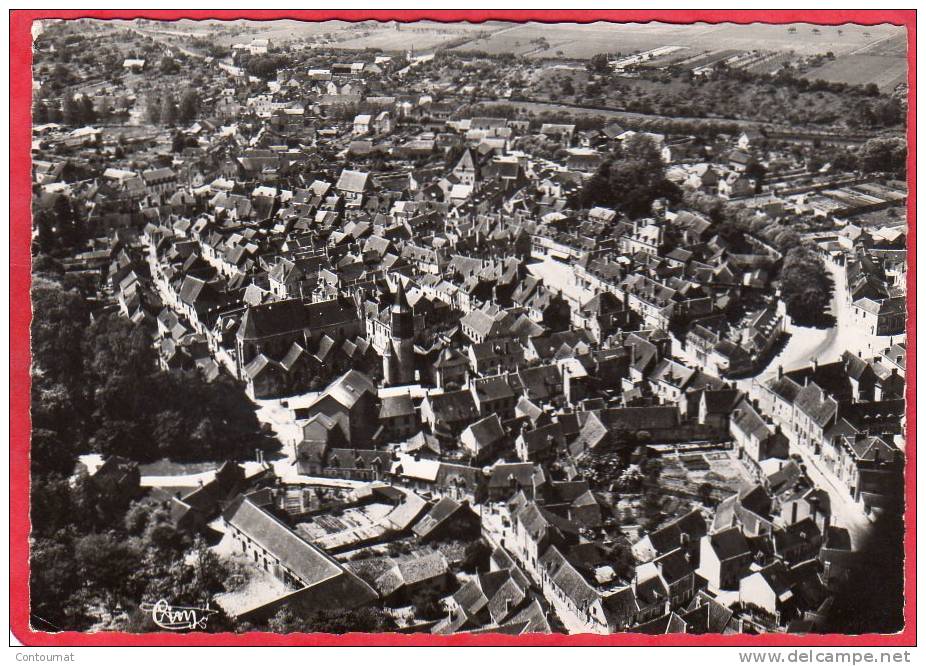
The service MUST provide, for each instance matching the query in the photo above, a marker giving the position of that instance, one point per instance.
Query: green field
(893, 46)
(571, 40)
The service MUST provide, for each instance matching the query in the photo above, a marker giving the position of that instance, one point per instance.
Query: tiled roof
(352, 181)
(307, 562)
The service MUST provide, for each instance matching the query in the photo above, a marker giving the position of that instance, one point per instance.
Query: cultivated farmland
(584, 41)
(420, 37)
(883, 63)
(576, 41)
(883, 71)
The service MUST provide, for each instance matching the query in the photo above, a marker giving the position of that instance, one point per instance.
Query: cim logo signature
(178, 618)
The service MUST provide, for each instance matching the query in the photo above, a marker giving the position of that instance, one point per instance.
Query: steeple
(401, 318)
(399, 356)
(400, 300)
(467, 168)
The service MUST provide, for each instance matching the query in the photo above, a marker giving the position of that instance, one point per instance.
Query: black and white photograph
(468, 327)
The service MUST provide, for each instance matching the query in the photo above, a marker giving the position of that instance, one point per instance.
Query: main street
(807, 344)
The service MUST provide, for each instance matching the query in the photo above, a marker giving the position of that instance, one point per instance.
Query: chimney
(816, 364)
(781, 372)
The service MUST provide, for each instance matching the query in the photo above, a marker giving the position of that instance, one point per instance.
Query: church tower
(467, 169)
(399, 356)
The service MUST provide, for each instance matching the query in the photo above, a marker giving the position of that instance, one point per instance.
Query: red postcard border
(20, 316)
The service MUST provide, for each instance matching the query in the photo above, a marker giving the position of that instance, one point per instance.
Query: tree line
(164, 109)
(74, 111)
(806, 286)
(97, 387)
(630, 180)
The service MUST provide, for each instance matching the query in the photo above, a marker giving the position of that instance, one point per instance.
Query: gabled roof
(352, 181)
(669, 537)
(670, 623)
(307, 562)
(445, 509)
(729, 543)
(872, 449)
(570, 582)
(453, 405)
(349, 388)
(486, 432)
(674, 566)
(785, 388)
(488, 389)
(396, 406)
(411, 572)
(503, 474)
(544, 438)
(274, 318)
(705, 615)
(816, 404)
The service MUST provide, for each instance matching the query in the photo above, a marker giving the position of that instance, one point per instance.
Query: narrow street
(845, 512)
(496, 534)
(825, 346)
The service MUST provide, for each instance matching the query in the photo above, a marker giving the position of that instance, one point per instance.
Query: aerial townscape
(481, 328)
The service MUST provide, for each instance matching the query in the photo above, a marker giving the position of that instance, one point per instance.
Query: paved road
(827, 345)
(283, 468)
(845, 512)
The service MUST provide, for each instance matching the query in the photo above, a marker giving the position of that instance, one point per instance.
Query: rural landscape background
(863, 54)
